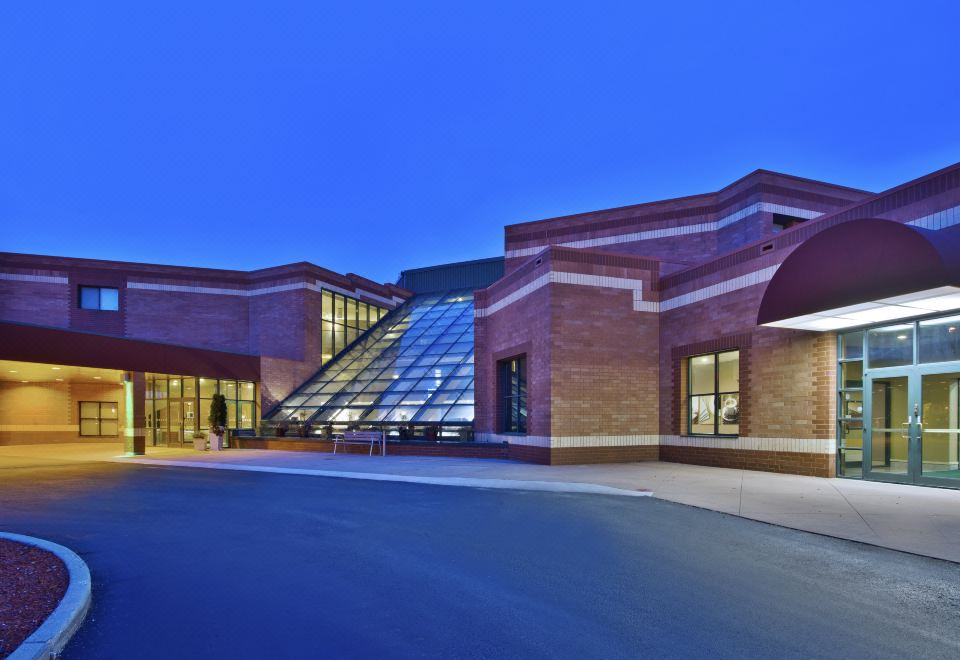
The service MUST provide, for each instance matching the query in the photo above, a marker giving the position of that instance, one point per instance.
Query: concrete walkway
(924, 521)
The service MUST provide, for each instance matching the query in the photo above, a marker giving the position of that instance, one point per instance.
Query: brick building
(778, 324)
(95, 349)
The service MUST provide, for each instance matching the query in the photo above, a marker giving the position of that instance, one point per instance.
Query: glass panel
(939, 339)
(940, 439)
(175, 388)
(351, 312)
(89, 427)
(728, 365)
(729, 414)
(229, 389)
(851, 346)
(89, 298)
(208, 387)
(465, 414)
(231, 415)
(189, 388)
(247, 415)
(327, 306)
(702, 377)
(851, 449)
(432, 413)
(108, 427)
(89, 410)
(889, 443)
(890, 347)
(108, 410)
(851, 404)
(702, 414)
(402, 414)
(248, 391)
(109, 300)
(339, 309)
(851, 375)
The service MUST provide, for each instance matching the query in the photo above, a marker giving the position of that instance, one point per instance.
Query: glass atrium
(414, 368)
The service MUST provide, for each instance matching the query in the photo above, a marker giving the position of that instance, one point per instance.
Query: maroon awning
(31, 343)
(864, 271)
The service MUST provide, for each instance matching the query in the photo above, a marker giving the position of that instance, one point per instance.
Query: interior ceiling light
(55, 368)
(941, 299)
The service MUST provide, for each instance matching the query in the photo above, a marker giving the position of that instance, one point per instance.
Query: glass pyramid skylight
(414, 367)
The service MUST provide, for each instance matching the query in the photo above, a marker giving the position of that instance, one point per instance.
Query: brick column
(135, 396)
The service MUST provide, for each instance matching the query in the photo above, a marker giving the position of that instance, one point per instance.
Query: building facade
(705, 330)
(778, 324)
(95, 349)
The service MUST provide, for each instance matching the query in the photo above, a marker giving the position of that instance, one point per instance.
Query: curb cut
(471, 482)
(47, 641)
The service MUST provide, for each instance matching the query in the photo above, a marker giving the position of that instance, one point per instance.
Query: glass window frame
(716, 393)
(99, 294)
(99, 418)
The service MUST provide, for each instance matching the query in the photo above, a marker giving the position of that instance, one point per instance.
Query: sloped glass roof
(415, 366)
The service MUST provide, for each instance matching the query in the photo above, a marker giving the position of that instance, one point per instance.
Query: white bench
(371, 438)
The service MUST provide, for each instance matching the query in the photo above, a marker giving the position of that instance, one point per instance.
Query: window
(100, 297)
(512, 378)
(98, 418)
(713, 394)
(783, 221)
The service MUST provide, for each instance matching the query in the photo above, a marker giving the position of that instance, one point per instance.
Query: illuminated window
(513, 394)
(104, 298)
(98, 418)
(713, 394)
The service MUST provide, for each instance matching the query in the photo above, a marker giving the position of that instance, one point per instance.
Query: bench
(371, 438)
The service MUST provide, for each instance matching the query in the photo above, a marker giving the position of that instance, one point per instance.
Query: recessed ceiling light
(96, 377)
(24, 381)
(60, 379)
(13, 371)
(901, 337)
(55, 368)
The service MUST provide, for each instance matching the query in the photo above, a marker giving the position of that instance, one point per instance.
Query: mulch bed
(32, 582)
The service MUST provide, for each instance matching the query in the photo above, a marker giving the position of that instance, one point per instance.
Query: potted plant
(199, 440)
(218, 421)
(281, 429)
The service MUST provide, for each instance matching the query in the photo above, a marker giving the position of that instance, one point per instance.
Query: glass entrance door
(912, 426)
(939, 429)
(890, 426)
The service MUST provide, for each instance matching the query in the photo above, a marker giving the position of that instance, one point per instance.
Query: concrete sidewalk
(914, 519)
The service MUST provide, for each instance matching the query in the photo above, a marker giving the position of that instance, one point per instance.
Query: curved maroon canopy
(860, 261)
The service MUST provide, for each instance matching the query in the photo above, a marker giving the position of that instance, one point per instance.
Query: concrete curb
(472, 482)
(48, 640)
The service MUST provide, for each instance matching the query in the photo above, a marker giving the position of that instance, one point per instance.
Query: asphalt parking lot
(195, 563)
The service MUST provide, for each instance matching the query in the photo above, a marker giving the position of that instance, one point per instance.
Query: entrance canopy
(862, 272)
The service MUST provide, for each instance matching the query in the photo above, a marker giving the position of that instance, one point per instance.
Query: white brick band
(245, 293)
(577, 279)
(795, 445)
(668, 232)
(46, 279)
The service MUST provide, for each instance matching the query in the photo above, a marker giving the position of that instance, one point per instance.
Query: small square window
(102, 298)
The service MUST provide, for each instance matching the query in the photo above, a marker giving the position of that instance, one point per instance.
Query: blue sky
(371, 137)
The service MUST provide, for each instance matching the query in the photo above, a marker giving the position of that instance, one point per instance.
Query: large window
(98, 418)
(179, 405)
(513, 394)
(713, 394)
(99, 297)
(343, 319)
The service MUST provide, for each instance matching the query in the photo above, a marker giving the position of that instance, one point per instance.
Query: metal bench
(371, 438)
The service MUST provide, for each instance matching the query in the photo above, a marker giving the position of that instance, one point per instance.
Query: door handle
(906, 435)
